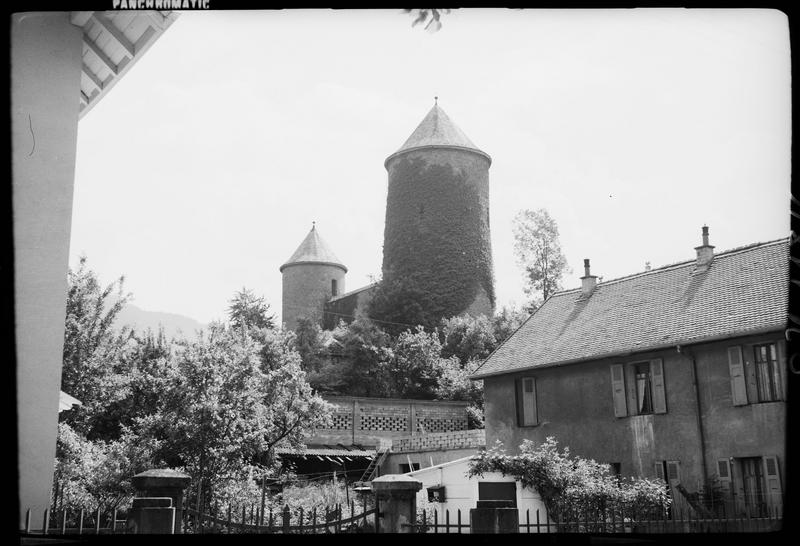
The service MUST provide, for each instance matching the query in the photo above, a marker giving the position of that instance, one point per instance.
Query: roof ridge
(676, 265)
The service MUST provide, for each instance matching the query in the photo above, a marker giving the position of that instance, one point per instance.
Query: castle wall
(437, 229)
(306, 288)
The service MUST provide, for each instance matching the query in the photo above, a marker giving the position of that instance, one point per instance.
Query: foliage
(572, 487)
(506, 321)
(422, 15)
(454, 384)
(246, 310)
(413, 367)
(311, 495)
(397, 303)
(91, 474)
(92, 347)
(467, 337)
(364, 349)
(308, 342)
(226, 405)
(437, 252)
(538, 252)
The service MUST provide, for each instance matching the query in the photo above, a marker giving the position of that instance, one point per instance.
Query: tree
(308, 342)
(506, 321)
(454, 384)
(227, 406)
(91, 474)
(247, 310)
(398, 304)
(365, 350)
(93, 356)
(467, 337)
(584, 487)
(413, 366)
(538, 252)
(422, 15)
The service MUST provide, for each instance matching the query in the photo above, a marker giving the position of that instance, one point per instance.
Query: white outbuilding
(447, 487)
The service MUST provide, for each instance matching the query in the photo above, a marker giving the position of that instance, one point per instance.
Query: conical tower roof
(437, 130)
(314, 250)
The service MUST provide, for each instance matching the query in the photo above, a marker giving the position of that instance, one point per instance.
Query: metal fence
(330, 520)
(75, 522)
(675, 521)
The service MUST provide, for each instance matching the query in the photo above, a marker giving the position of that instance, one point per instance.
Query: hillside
(174, 324)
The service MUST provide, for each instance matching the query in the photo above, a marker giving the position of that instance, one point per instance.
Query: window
(751, 485)
(436, 493)
(758, 379)
(644, 389)
(334, 288)
(638, 388)
(527, 414)
(506, 491)
(767, 378)
(404, 467)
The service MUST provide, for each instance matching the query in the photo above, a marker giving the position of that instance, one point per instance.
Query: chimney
(588, 281)
(705, 252)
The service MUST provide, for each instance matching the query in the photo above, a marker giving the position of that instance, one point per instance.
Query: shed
(446, 487)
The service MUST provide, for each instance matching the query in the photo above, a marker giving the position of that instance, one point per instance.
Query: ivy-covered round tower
(310, 278)
(436, 238)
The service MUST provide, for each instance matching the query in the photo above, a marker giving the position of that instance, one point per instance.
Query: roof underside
(743, 291)
(113, 41)
(328, 451)
(314, 249)
(437, 129)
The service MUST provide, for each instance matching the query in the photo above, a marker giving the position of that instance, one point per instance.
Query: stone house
(677, 372)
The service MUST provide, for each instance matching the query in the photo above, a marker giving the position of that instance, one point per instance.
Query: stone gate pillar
(163, 483)
(396, 502)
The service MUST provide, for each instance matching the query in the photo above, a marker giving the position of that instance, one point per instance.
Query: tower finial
(436, 100)
(313, 225)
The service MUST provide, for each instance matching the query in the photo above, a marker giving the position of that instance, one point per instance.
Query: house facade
(676, 373)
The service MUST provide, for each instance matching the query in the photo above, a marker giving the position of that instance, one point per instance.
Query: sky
(203, 168)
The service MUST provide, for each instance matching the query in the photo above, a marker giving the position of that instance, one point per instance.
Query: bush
(573, 488)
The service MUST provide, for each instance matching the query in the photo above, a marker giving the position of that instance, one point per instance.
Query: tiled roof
(745, 290)
(314, 249)
(437, 130)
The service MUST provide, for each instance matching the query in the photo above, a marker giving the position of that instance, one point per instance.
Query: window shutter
(659, 396)
(673, 472)
(660, 470)
(518, 392)
(618, 390)
(630, 370)
(773, 479)
(781, 368)
(736, 367)
(724, 474)
(529, 401)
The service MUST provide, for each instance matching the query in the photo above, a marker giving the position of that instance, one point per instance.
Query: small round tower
(310, 278)
(437, 219)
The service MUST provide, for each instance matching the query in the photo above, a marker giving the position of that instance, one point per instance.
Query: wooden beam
(92, 76)
(144, 38)
(116, 33)
(100, 54)
(79, 18)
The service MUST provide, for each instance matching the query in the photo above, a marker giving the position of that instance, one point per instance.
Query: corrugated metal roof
(314, 249)
(437, 129)
(341, 451)
(744, 290)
